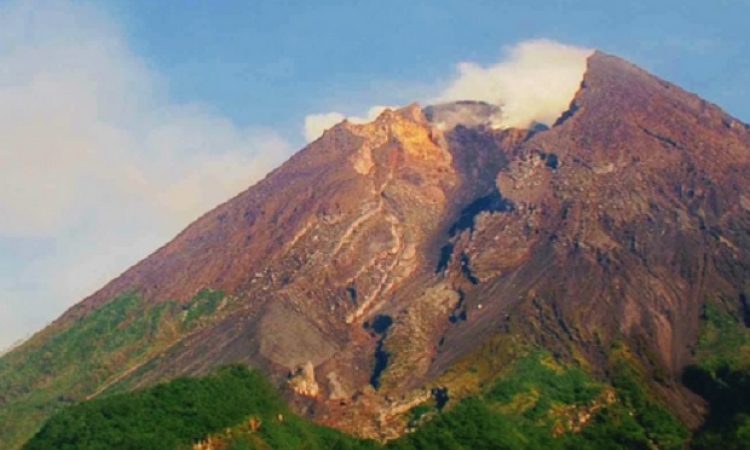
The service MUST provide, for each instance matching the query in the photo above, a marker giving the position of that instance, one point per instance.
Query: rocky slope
(366, 269)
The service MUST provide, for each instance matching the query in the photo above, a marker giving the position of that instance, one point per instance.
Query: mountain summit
(366, 272)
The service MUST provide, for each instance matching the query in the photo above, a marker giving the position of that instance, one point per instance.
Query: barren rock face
(381, 254)
(627, 216)
(644, 194)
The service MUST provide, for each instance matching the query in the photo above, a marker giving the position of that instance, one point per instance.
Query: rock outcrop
(303, 382)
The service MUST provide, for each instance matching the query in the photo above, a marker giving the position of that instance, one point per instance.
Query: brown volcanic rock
(615, 224)
(318, 246)
(319, 204)
(648, 190)
(628, 217)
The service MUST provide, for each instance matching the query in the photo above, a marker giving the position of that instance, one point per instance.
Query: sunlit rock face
(613, 225)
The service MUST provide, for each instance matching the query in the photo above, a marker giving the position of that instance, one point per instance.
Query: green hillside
(68, 363)
(184, 411)
(722, 377)
(539, 403)
(543, 404)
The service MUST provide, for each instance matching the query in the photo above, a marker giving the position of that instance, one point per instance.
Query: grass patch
(72, 362)
(541, 403)
(236, 406)
(538, 402)
(722, 377)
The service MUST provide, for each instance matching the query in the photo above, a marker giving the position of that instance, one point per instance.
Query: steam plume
(535, 82)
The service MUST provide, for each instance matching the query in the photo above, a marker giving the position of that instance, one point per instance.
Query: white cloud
(535, 82)
(316, 124)
(96, 160)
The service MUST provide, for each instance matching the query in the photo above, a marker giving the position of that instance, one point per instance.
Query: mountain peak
(369, 268)
(615, 84)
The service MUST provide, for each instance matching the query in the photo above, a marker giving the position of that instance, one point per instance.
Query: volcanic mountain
(364, 273)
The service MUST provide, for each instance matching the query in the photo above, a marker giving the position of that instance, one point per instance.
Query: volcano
(369, 272)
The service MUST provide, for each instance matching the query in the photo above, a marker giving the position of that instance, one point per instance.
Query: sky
(123, 121)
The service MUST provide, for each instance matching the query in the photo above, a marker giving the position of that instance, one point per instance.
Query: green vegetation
(538, 403)
(643, 418)
(73, 361)
(724, 341)
(202, 306)
(288, 432)
(182, 412)
(542, 404)
(722, 377)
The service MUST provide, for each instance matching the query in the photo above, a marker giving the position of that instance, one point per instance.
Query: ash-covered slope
(381, 256)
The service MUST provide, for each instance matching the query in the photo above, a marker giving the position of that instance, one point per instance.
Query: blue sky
(121, 121)
(271, 62)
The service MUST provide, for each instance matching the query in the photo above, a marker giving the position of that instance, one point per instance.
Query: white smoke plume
(535, 82)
